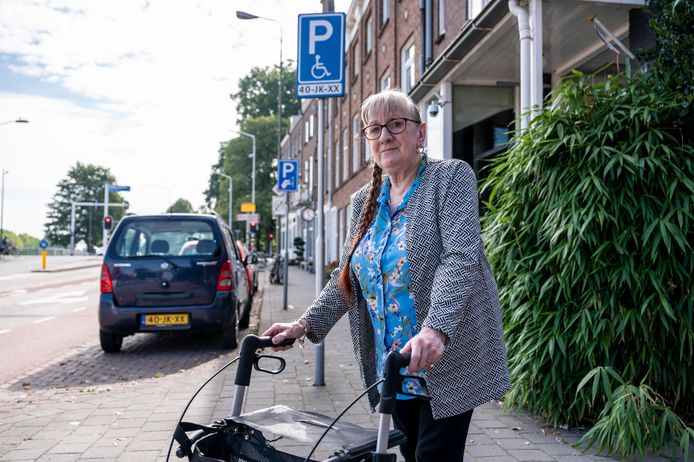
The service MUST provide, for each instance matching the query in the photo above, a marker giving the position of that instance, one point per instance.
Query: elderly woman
(414, 276)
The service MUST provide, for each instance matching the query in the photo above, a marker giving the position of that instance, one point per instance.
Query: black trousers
(430, 440)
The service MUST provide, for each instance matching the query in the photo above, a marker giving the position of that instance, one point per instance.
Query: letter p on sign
(314, 36)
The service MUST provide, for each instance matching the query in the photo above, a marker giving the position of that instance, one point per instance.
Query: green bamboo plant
(590, 232)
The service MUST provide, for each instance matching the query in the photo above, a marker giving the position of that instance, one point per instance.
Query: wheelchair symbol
(318, 70)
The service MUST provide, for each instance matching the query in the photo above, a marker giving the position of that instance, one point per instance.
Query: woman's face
(396, 152)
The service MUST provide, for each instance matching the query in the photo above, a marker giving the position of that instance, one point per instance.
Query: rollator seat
(307, 427)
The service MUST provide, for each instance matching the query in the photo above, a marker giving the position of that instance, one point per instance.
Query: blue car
(173, 272)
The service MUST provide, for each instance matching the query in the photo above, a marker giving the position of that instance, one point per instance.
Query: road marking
(4, 331)
(65, 297)
(14, 276)
(78, 309)
(43, 320)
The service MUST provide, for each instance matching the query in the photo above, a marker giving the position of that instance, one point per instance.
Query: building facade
(475, 68)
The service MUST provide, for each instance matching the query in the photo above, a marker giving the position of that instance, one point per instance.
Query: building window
(385, 11)
(385, 82)
(442, 17)
(369, 39)
(310, 176)
(345, 155)
(305, 131)
(336, 164)
(475, 7)
(310, 126)
(408, 67)
(367, 150)
(356, 143)
(355, 60)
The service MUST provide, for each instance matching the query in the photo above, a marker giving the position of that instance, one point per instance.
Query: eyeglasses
(394, 126)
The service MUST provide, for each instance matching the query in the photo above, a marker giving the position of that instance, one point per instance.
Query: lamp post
(231, 194)
(2, 206)
(244, 15)
(19, 120)
(252, 137)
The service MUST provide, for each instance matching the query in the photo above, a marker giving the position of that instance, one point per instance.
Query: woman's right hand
(282, 331)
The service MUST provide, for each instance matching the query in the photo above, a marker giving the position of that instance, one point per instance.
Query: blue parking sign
(288, 175)
(321, 55)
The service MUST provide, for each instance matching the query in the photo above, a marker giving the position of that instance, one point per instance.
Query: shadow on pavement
(143, 356)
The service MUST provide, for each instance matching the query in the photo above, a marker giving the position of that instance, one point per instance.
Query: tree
(180, 206)
(84, 183)
(257, 95)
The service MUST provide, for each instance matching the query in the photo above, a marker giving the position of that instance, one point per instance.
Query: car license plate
(169, 319)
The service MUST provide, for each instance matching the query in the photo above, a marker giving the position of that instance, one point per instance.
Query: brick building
(472, 67)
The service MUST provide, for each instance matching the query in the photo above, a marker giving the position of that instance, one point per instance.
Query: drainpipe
(428, 28)
(525, 39)
(535, 10)
(423, 40)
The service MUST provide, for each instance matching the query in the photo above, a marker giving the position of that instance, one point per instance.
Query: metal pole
(2, 205)
(231, 201)
(319, 259)
(72, 228)
(103, 228)
(286, 252)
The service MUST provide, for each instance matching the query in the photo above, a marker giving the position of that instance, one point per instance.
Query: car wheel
(246, 315)
(230, 335)
(110, 343)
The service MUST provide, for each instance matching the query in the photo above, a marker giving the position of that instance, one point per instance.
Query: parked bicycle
(276, 272)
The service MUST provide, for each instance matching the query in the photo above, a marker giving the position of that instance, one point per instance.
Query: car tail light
(106, 284)
(226, 277)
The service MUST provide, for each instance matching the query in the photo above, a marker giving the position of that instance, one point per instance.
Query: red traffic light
(270, 236)
(108, 222)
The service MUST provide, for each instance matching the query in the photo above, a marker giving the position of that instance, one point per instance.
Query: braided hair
(386, 102)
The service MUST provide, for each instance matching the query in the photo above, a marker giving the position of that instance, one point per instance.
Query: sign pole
(286, 252)
(318, 264)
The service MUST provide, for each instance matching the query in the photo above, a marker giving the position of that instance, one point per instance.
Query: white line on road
(43, 320)
(4, 331)
(65, 297)
(78, 309)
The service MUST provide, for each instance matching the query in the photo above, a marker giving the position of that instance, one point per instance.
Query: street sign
(248, 207)
(278, 205)
(43, 244)
(248, 217)
(288, 175)
(114, 188)
(321, 56)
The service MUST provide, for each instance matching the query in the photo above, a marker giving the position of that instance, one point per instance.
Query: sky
(140, 87)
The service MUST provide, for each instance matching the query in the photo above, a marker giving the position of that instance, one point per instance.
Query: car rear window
(169, 238)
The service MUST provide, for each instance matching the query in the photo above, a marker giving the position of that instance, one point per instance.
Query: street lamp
(231, 193)
(252, 137)
(19, 120)
(244, 15)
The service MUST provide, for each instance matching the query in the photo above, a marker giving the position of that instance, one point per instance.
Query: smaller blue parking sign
(288, 175)
(321, 63)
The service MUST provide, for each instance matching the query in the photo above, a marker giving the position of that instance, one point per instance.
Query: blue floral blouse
(381, 265)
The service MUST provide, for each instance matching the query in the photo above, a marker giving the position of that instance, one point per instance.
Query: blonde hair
(391, 101)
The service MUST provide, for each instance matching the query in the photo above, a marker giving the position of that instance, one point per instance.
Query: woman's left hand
(425, 349)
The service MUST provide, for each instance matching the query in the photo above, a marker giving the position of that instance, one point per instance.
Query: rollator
(240, 437)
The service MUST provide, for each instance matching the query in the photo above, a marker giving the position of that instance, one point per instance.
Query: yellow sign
(248, 207)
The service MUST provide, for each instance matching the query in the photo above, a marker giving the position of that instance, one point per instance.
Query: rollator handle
(247, 357)
(392, 380)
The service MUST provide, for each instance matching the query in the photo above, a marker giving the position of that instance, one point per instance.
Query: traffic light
(270, 236)
(254, 227)
(108, 222)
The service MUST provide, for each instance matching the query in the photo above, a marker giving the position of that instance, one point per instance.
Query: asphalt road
(44, 314)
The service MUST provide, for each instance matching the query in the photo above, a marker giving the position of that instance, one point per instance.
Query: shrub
(590, 231)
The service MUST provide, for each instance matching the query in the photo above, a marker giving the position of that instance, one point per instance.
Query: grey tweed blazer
(454, 292)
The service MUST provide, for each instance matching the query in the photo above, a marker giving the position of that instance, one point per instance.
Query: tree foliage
(84, 183)
(22, 240)
(590, 233)
(180, 206)
(257, 95)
